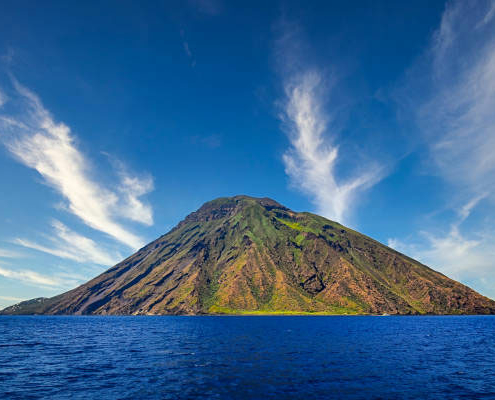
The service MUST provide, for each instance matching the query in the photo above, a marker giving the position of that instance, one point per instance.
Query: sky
(119, 118)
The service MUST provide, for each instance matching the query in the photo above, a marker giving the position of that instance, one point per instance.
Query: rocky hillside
(243, 255)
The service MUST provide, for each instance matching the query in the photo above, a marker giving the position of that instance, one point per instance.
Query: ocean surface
(247, 357)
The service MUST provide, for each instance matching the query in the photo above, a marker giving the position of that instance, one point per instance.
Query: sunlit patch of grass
(293, 225)
(229, 311)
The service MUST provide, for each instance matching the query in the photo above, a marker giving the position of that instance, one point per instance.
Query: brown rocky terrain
(244, 255)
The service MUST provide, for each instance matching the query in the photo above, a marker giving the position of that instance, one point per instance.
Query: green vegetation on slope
(243, 255)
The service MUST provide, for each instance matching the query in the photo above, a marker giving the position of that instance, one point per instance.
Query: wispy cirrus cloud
(6, 301)
(10, 298)
(454, 253)
(39, 280)
(452, 90)
(9, 254)
(37, 141)
(462, 257)
(466, 257)
(70, 245)
(130, 189)
(452, 87)
(311, 160)
(309, 108)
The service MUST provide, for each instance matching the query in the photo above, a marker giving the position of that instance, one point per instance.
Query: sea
(247, 357)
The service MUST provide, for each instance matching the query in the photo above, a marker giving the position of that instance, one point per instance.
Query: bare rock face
(246, 255)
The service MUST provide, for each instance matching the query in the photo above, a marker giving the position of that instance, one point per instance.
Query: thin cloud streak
(467, 258)
(131, 188)
(39, 142)
(9, 254)
(10, 298)
(34, 278)
(452, 87)
(456, 107)
(488, 16)
(73, 246)
(311, 160)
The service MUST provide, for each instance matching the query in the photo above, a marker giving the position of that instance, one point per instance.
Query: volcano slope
(244, 255)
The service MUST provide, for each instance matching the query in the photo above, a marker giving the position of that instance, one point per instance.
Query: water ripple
(247, 357)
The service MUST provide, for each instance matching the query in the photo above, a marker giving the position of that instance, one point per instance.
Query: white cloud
(34, 278)
(466, 209)
(457, 101)
(131, 189)
(488, 16)
(311, 160)
(49, 147)
(451, 90)
(467, 258)
(9, 254)
(73, 246)
(10, 298)
(451, 253)
(45, 249)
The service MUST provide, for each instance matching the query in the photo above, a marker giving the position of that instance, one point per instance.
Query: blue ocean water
(247, 357)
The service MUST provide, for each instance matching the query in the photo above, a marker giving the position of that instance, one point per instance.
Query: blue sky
(117, 119)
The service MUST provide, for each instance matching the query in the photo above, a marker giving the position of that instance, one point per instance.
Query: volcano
(245, 255)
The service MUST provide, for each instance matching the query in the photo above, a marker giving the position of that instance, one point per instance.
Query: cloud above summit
(309, 108)
(311, 160)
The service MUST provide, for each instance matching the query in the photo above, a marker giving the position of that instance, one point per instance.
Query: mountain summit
(245, 255)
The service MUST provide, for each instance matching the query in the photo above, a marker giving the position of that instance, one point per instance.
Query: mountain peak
(229, 206)
(243, 254)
